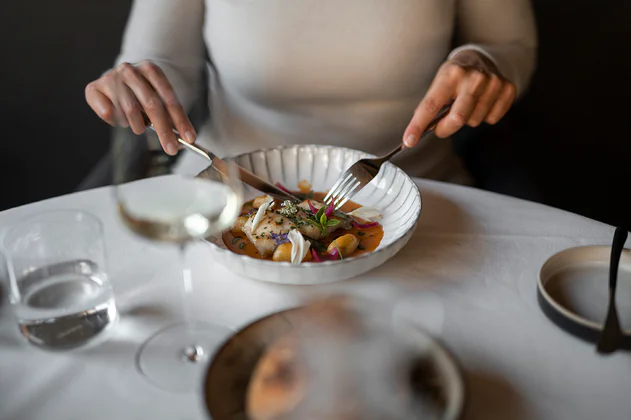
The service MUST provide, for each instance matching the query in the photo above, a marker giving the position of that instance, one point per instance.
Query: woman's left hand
(478, 91)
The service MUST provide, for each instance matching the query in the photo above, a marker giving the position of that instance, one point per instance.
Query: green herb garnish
(360, 233)
(236, 239)
(322, 222)
(241, 245)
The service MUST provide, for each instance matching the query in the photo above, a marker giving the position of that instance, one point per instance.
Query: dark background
(565, 144)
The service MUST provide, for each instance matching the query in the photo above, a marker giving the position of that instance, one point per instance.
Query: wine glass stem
(192, 352)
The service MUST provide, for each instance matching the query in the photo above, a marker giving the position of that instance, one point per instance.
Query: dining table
(468, 276)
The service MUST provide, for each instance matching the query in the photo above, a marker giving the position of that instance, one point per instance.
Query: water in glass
(65, 305)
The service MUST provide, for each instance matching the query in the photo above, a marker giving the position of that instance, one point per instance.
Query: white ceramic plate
(393, 192)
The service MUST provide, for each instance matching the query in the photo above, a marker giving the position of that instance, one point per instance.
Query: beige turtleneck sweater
(343, 72)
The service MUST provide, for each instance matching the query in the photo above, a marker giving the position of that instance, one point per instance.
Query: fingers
(100, 104)
(480, 96)
(129, 105)
(150, 102)
(158, 80)
(486, 101)
(469, 92)
(439, 94)
(122, 95)
(502, 105)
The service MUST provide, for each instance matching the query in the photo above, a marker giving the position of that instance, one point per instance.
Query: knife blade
(246, 176)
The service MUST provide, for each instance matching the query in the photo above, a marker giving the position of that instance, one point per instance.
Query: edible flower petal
(299, 246)
(288, 208)
(268, 204)
(367, 213)
(279, 238)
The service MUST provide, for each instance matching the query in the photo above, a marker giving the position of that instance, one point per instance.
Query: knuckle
(457, 119)
(454, 71)
(91, 87)
(129, 106)
(430, 105)
(124, 67)
(152, 102)
(166, 135)
(495, 83)
(171, 101)
(107, 114)
(512, 90)
(149, 68)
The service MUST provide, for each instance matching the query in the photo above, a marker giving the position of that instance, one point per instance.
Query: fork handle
(430, 128)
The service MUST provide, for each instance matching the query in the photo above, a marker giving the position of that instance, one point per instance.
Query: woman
(365, 74)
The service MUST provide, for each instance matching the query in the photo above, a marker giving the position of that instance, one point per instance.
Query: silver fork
(365, 170)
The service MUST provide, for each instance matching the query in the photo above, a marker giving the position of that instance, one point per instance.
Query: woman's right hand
(122, 95)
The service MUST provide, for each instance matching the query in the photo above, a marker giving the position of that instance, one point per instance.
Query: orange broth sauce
(369, 238)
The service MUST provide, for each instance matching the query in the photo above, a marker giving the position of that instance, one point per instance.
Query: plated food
(309, 231)
(392, 194)
(331, 359)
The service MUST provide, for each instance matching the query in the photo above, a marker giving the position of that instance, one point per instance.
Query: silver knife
(246, 176)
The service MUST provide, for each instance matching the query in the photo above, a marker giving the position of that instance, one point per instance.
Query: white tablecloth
(469, 275)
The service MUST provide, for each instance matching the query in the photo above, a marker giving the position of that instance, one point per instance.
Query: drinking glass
(57, 266)
(162, 202)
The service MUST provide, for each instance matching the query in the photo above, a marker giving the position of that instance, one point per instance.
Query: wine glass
(161, 201)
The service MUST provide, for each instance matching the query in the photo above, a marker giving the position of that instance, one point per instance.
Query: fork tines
(343, 190)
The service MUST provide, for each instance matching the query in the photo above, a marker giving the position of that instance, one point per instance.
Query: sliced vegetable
(364, 225)
(367, 213)
(299, 246)
(268, 204)
(312, 208)
(329, 210)
(279, 185)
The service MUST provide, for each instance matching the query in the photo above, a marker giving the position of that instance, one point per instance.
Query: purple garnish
(364, 225)
(334, 255)
(313, 209)
(329, 210)
(279, 185)
(279, 238)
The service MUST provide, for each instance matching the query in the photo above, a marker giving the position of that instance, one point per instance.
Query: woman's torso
(343, 72)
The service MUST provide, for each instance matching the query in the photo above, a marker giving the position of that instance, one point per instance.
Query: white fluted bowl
(393, 192)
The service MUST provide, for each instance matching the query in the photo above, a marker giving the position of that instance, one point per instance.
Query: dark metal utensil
(611, 334)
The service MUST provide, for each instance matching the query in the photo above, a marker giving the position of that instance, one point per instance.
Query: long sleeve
(503, 30)
(169, 33)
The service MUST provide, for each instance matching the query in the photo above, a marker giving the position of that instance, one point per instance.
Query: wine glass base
(175, 358)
